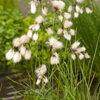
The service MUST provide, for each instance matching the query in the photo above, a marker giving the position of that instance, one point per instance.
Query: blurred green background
(13, 23)
(21, 5)
(12, 3)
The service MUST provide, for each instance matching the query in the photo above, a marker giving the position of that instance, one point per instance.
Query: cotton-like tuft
(24, 39)
(33, 7)
(29, 33)
(22, 50)
(79, 1)
(17, 57)
(60, 31)
(16, 42)
(73, 56)
(75, 45)
(10, 54)
(39, 19)
(70, 8)
(27, 55)
(58, 5)
(54, 59)
(67, 36)
(81, 56)
(55, 44)
(67, 15)
(60, 17)
(44, 11)
(67, 24)
(88, 10)
(35, 36)
(49, 30)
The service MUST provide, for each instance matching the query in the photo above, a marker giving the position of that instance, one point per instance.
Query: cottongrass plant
(58, 41)
(65, 30)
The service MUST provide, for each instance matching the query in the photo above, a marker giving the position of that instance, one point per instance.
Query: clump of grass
(63, 62)
(67, 81)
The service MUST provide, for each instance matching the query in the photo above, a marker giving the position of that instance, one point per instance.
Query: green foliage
(9, 3)
(88, 28)
(11, 26)
(65, 83)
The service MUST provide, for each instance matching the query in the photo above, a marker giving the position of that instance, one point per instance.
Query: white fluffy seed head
(51, 41)
(33, 7)
(44, 11)
(81, 56)
(22, 50)
(31, 26)
(72, 32)
(55, 44)
(75, 45)
(29, 33)
(36, 27)
(49, 31)
(17, 57)
(37, 71)
(60, 17)
(87, 56)
(67, 24)
(60, 31)
(38, 81)
(67, 36)
(77, 8)
(81, 11)
(67, 15)
(88, 10)
(43, 69)
(39, 19)
(73, 56)
(70, 8)
(24, 39)
(40, 72)
(16, 42)
(79, 1)
(45, 79)
(35, 36)
(81, 49)
(9, 55)
(27, 55)
(54, 59)
(58, 5)
(58, 45)
(76, 14)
